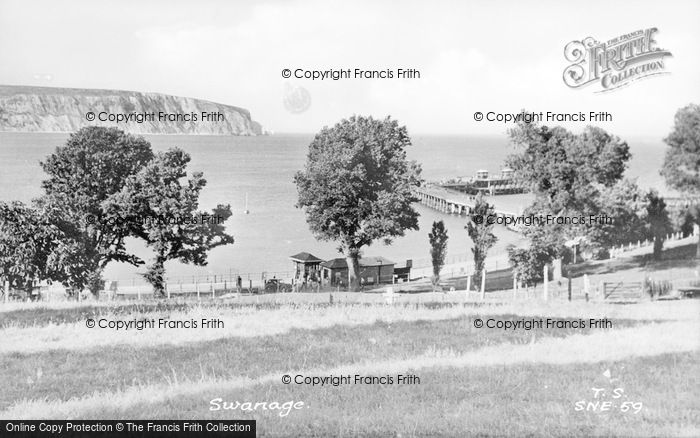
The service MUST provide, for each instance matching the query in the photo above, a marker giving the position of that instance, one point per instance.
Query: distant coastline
(49, 110)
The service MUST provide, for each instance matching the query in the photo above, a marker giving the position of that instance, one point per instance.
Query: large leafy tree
(93, 165)
(34, 247)
(569, 175)
(626, 205)
(562, 168)
(438, 248)
(27, 241)
(160, 205)
(357, 186)
(480, 230)
(681, 167)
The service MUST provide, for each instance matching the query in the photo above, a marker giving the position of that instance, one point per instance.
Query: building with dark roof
(373, 270)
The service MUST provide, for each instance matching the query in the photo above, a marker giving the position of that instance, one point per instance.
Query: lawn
(473, 381)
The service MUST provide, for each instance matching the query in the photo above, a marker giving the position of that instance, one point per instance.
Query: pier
(457, 203)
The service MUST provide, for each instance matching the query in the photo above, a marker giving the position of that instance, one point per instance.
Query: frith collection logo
(614, 63)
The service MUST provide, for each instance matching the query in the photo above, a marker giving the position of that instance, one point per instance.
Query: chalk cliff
(45, 109)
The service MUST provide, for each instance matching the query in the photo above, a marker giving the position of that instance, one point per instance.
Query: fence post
(138, 294)
(568, 275)
(7, 291)
(469, 283)
(213, 291)
(545, 285)
(167, 289)
(586, 285)
(515, 285)
(196, 287)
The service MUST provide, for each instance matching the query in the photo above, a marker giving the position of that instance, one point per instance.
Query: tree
(657, 221)
(681, 167)
(682, 219)
(158, 207)
(570, 175)
(438, 248)
(93, 165)
(625, 203)
(357, 186)
(27, 241)
(528, 264)
(561, 168)
(480, 231)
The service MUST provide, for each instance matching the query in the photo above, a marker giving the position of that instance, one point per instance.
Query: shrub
(657, 288)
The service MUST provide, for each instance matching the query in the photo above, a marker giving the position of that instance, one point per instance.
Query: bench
(689, 292)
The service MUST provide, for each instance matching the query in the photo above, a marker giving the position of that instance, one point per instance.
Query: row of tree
(103, 187)
(358, 187)
(582, 175)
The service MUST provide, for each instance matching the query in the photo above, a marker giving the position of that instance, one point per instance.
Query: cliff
(44, 109)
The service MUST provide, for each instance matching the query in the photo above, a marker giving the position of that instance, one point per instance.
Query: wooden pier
(451, 202)
(458, 203)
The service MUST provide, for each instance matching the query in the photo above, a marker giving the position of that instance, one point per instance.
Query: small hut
(306, 266)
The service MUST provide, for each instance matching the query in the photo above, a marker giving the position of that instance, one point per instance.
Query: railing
(617, 251)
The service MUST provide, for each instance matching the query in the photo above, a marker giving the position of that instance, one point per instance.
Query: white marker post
(389, 295)
(7, 291)
(546, 284)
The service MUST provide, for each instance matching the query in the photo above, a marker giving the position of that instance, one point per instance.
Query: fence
(618, 251)
(459, 265)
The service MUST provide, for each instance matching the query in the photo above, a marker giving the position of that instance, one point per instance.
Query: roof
(375, 261)
(305, 257)
(335, 264)
(341, 263)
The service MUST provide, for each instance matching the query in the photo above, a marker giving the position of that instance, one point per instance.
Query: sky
(499, 56)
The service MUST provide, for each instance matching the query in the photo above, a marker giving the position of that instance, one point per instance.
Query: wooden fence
(622, 291)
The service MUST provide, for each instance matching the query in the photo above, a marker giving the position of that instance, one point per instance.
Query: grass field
(473, 381)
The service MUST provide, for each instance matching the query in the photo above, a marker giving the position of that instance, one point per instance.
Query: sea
(261, 170)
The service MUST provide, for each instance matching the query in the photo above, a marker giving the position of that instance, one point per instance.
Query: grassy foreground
(473, 381)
